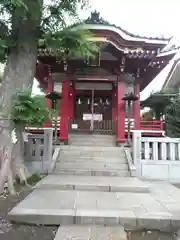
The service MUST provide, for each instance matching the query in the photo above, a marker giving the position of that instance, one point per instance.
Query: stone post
(136, 151)
(48, 149)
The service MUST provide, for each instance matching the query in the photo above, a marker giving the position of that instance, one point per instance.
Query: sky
(153, 18)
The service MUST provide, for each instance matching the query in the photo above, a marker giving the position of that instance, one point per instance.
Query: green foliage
(54, 18)
(159, 100)
(148, 115)
(34, 179)
(172, 117)
(69, 43)
(30, 110)
(57, 13)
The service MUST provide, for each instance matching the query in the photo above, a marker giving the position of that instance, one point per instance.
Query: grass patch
(33, 179)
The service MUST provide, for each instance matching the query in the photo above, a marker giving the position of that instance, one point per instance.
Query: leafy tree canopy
(172, 117)
(159, 100)
(30, 110)
(53, 28)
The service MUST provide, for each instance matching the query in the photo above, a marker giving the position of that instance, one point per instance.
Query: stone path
(90, 233)
(93, 183)
(159, 209)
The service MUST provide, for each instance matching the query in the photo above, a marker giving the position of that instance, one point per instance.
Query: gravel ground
(10, 231)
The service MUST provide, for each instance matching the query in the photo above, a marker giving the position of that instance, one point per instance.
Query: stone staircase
(92, 159)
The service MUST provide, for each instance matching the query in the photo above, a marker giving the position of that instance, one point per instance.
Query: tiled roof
(175, 67)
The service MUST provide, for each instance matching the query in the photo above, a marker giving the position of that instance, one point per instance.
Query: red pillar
(137, 108)
(120, 112)
(64, 112)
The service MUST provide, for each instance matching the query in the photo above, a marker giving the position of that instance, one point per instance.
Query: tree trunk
(19, 169)
(18, 77)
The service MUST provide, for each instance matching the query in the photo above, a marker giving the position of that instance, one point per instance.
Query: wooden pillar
(137, 108)
(71, 103)
(114, 105)
(121, 88)
(48, 90)
(64, 112)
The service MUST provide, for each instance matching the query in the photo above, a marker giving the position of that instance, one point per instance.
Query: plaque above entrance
(93, 86)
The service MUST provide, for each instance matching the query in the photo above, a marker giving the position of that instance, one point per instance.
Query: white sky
(143, 17)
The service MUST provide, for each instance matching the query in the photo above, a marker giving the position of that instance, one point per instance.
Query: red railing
(148, 127)
(152, 125)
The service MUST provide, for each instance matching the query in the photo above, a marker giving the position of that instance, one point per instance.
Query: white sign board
(58, 87)
(74, 126)
(95, 117)
(87, 117)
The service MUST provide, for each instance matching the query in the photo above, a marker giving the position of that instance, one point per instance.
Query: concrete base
(84, 183)
(64, 142)
(90, 233)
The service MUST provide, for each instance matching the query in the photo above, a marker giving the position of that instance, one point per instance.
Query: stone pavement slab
(91, 172)
(93, 183)
(92, 165)
(132, 210)
(90, 233)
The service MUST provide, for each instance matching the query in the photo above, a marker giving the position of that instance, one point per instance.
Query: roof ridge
(96, 19)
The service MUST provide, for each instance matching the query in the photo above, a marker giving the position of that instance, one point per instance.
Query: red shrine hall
(92, 90)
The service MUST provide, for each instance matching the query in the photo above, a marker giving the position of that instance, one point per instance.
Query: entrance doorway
(93, 111)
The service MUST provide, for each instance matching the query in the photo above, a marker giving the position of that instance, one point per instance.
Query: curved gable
(95, 22)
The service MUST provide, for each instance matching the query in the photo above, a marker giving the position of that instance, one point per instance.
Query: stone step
(87, 159)
(91, 157)
(97, 138)
(92, 140)
(89, 165)
(90, 233)
(91, 152)
(93, 183)
(91, 144)
(92, 136)
(130, 210)
(89, 172)
(89, 148)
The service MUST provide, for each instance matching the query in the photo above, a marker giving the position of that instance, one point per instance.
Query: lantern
(129, 98)
(54, 97)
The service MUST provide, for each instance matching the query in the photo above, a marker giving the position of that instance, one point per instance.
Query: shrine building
(92, 90)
